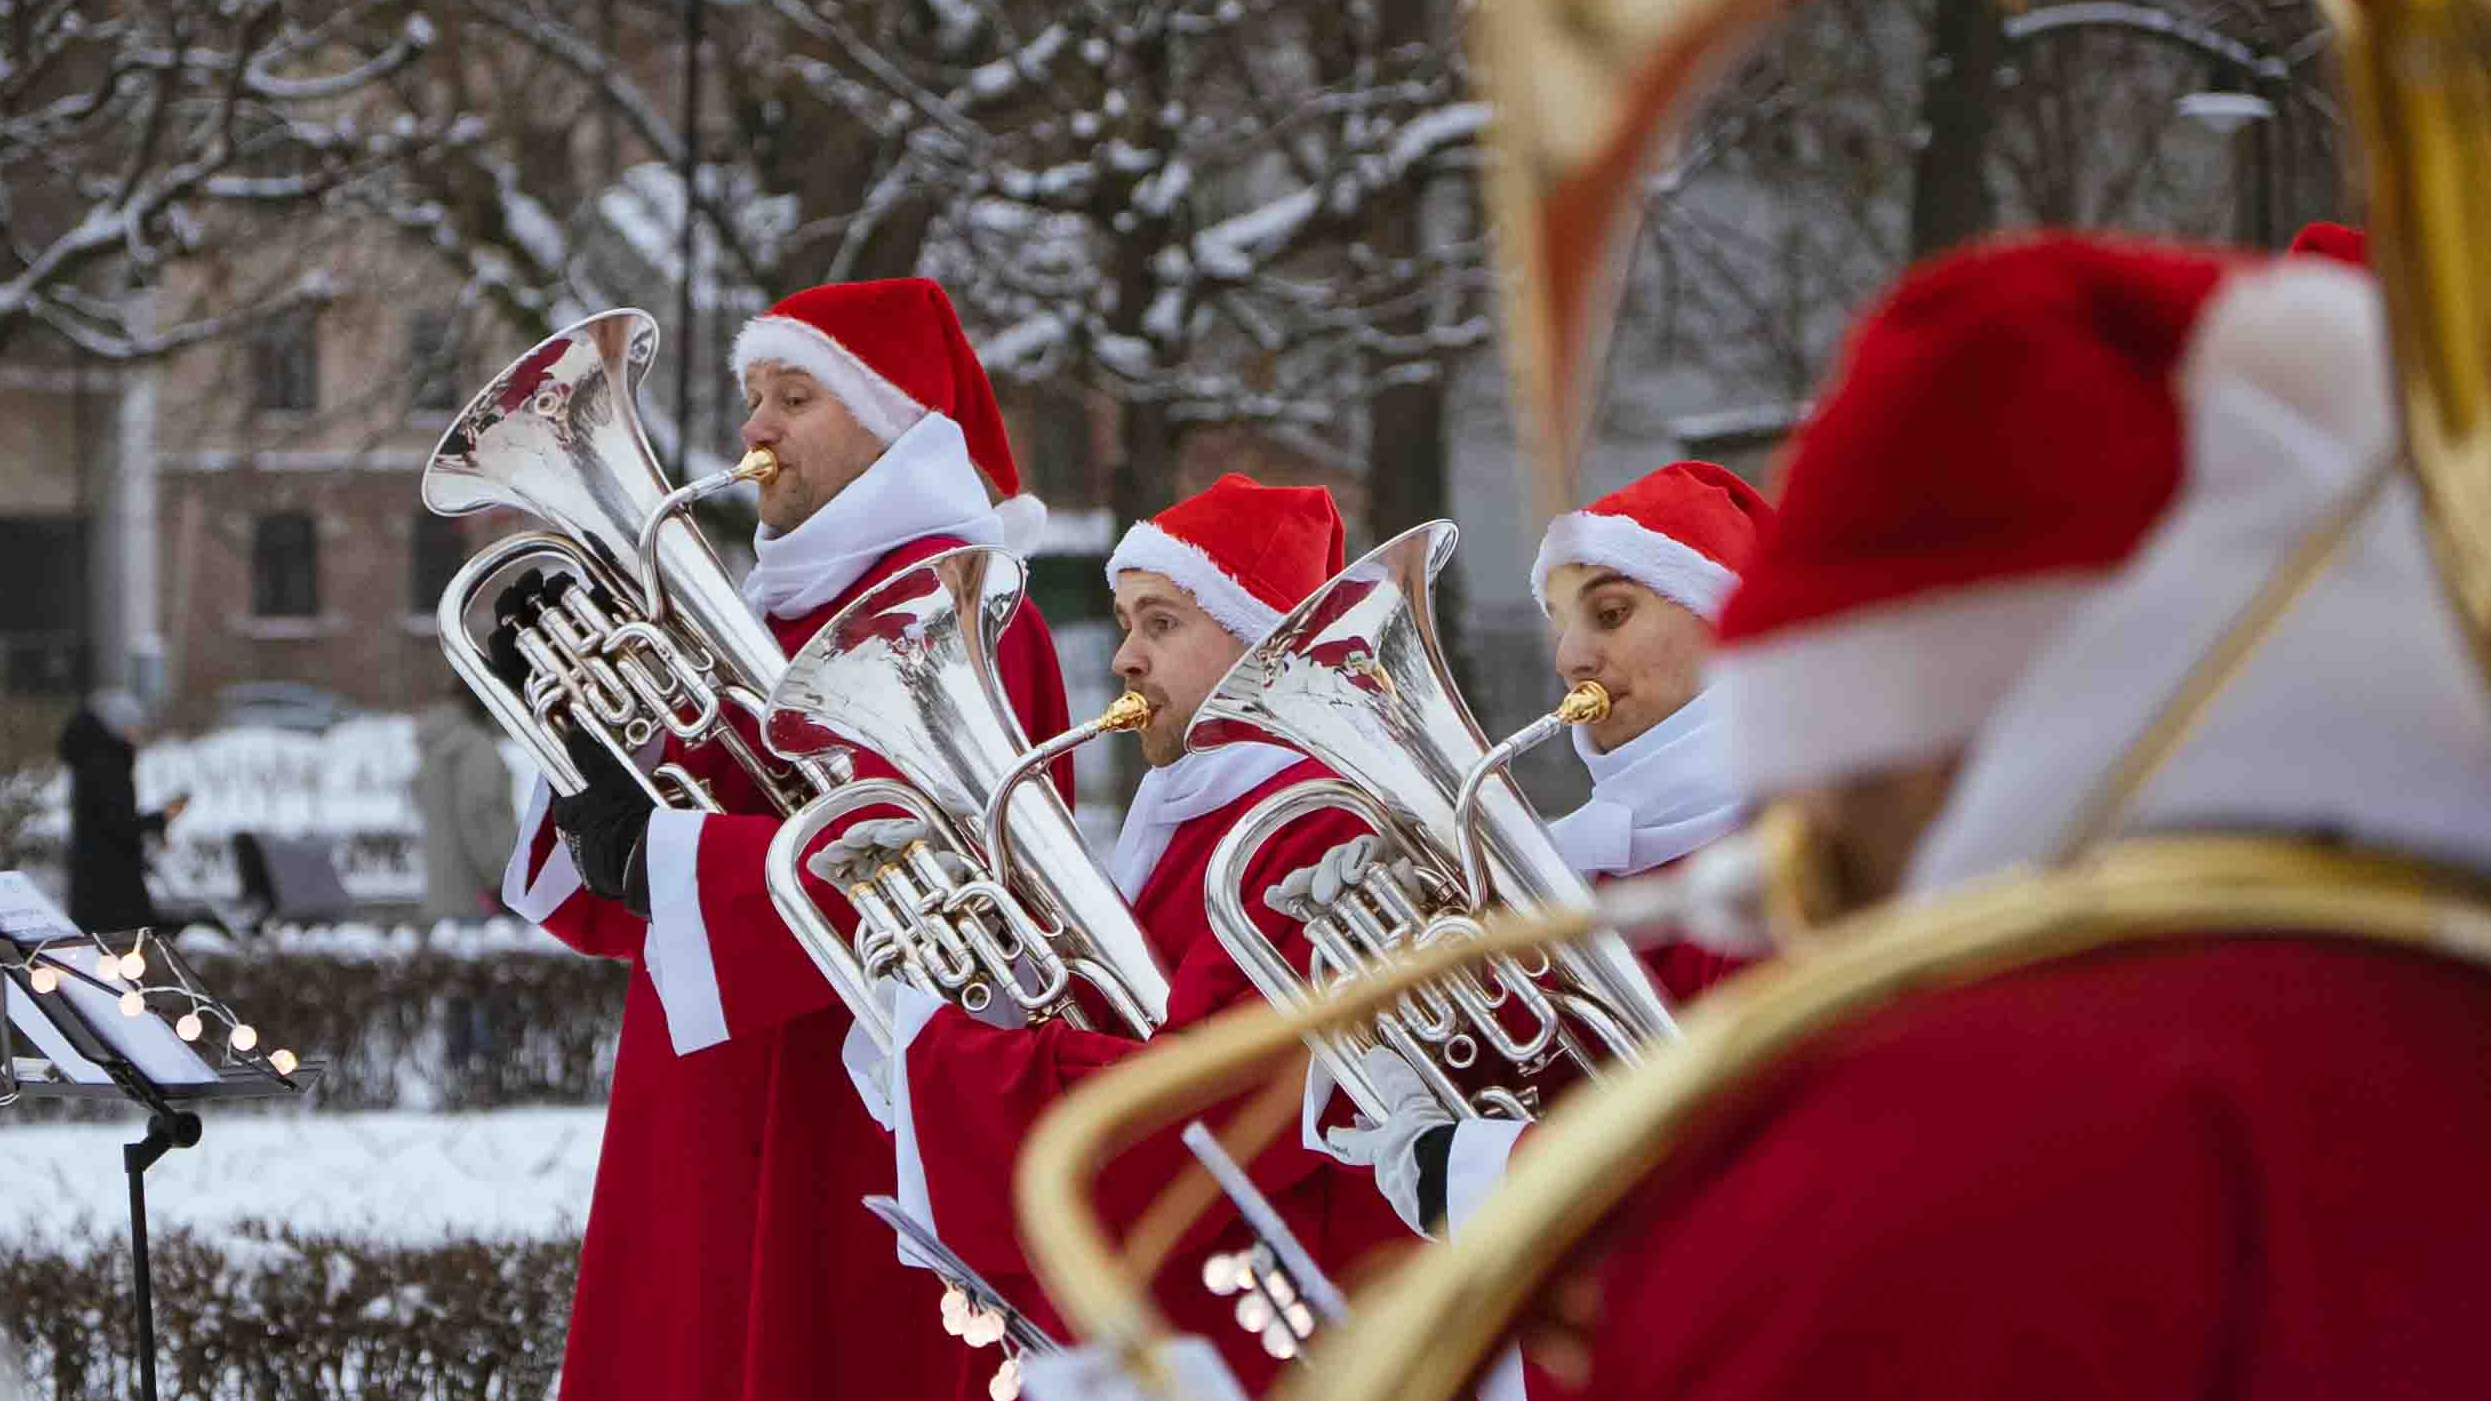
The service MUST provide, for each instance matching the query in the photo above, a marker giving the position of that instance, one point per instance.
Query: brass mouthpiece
(1129, 712)
(759, 465)
(1586, 704)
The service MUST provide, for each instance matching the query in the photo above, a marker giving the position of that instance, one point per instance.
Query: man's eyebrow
(1602, 580)
(1149, 600)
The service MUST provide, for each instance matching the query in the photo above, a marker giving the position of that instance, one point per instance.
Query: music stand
(64, 991)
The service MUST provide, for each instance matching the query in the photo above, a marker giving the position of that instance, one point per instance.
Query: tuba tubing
(557, 434)
(1355, 676)
(908, 673)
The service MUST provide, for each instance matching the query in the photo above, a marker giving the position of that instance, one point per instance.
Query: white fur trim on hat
(1886, 685)
(881, 407)
(1192, 569)
(1680, 573)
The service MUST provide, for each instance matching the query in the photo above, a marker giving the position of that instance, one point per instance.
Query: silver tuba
(1003, 900)
(1356, 678)
(662, 643)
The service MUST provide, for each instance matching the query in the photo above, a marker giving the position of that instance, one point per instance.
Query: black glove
(514, 609)
(606, 825)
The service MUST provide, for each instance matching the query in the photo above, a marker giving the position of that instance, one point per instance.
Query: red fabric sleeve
(977, 1091)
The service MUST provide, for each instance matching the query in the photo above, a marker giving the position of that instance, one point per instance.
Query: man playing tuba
(726, 1257)
(1194, 587)
(2243, 1166)
(1632, 586)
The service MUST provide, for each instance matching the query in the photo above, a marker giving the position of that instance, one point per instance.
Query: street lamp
(2227, 114)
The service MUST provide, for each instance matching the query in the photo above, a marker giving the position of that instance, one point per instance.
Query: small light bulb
(955, 1310)
(133, 967)
(132, 1004)
(1281, 1290)
(188, 1027)
(1279, 1341)
(45, 979)
(1006, 1383)
(1254, 1313)
(985, 1329)
(108, 965)
(1219, 1274)
(283, 1060)
(1301, 1319)
(244, 1037)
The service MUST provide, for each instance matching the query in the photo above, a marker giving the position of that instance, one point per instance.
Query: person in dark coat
(107, 832)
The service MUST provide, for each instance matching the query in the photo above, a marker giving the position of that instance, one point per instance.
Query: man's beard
(1163, 739)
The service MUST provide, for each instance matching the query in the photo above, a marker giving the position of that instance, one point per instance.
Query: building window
(432, 359)
(438, 550)
(285, 566)
(285, 364)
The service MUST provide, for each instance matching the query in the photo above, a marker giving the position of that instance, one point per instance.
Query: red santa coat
(977, 1091)
(726, 1254)
(2241, 1170)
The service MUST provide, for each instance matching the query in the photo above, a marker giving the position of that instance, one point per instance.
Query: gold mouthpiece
(1129, 712)
(759, 465)
(1586, 704)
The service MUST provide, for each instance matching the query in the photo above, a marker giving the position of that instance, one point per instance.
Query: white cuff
(1475, 1165)
(535, 901)
(677, 952)
(911, 1009)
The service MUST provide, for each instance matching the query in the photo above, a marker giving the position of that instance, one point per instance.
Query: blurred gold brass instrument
(658, 642)
(1102, 1290)
(1001, 900)
(1356, 677)
(1581, 88)
(2419, 79)
(1422, 1332)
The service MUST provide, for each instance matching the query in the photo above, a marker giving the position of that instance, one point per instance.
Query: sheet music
(146, 1042)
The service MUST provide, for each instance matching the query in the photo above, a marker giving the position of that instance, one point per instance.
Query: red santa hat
(891, 352)
(2000, 433)
(1248, 553)
(2342, 242)
(1683, 532)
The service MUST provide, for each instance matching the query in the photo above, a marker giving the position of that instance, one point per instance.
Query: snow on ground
(408, 1177)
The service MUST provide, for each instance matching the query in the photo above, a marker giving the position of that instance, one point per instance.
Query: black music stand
(88, 1053)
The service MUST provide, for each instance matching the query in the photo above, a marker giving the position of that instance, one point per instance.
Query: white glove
(1309, 890)
(1391, 1148)
(866, 847)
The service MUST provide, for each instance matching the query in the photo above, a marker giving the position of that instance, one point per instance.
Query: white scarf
(923, 484)
(1654, 798)
(1201, 782)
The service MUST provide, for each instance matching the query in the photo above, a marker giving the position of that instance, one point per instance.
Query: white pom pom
(2308, 335)
(1024, 521)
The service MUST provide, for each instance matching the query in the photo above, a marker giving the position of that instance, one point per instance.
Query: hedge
(272, 1315)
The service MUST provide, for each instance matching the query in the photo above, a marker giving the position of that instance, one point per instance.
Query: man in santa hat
(2243, 1167)
(726, 1254)
(1194, 587)
(1632, 586)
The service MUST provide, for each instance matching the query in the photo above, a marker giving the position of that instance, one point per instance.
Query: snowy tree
(135, 134)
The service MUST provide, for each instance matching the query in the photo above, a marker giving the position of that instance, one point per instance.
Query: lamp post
(2227, 114)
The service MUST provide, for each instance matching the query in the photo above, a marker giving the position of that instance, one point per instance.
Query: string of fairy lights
(140, 984)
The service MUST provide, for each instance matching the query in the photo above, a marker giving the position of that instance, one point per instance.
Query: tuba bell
(654, 639)
(1356, 677)
(1001, 901)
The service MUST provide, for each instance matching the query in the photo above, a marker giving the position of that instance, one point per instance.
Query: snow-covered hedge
(278, 1315)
